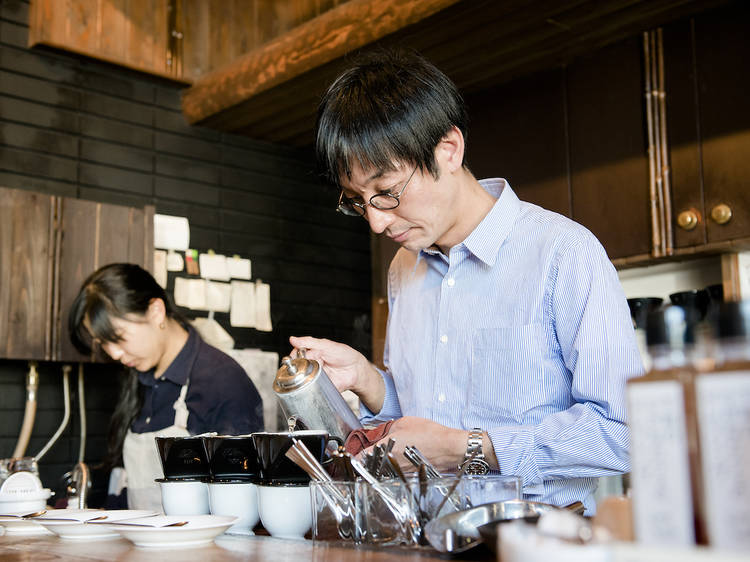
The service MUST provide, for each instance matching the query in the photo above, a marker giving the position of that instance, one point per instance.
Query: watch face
(477, 468)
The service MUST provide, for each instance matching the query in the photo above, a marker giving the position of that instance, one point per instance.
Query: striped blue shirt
(522, 330)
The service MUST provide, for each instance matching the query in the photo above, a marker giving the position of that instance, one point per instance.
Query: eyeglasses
(381, 201)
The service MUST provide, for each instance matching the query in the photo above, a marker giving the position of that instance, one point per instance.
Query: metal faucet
(78, 486)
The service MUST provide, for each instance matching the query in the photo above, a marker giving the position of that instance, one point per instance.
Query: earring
(162, 325)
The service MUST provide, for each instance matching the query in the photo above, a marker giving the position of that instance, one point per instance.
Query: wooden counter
(226, 548)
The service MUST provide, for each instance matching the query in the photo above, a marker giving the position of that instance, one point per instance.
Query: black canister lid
(669, 326)
(733, 320)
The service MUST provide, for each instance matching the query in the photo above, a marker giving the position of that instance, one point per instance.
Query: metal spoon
(25, 515)
(175, 524)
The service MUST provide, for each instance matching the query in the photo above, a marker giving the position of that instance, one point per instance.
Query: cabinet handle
(687, 220)
(721, 213)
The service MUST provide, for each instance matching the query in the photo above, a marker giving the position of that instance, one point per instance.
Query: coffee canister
(306, 393)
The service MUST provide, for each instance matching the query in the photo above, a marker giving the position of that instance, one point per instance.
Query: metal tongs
(342, 506)
(415, 457)
(403, 513)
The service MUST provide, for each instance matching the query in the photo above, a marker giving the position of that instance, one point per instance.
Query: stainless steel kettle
(307, 394)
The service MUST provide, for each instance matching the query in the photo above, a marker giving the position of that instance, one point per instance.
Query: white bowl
(184, 497)
(235, 498)
(285, 511)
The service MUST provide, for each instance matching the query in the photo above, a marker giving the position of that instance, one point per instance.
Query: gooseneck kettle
(307, 394)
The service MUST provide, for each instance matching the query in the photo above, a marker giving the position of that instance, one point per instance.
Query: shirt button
(148, 419)
(443, 339)
(451, 282)
(441, 398)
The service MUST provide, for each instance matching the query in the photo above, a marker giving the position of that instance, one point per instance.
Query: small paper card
(214, 266)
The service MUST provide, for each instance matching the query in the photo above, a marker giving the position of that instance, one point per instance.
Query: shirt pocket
(508, 374)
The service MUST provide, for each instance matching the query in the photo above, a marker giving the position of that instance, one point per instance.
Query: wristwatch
(474, 456)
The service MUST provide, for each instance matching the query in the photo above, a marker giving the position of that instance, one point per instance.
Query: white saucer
(18, 526)
(199, 530)
(75, 524)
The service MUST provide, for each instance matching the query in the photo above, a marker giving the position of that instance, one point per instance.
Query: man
(508, 329)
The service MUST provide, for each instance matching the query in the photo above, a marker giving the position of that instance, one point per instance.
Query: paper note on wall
(218, 296)
(242, 314)
(263, 307)
(190, 293)
(171, 233)
(175, 262)
(214, 266)
(239, 268)
(261, 367)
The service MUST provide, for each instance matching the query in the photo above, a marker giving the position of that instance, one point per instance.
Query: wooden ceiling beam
(331, 35)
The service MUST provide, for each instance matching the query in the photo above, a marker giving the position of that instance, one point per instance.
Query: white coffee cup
(235, 498)
(184, 497)
(285, 511)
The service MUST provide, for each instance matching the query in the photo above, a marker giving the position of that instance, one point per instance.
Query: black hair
(392, 106)
(114, 291)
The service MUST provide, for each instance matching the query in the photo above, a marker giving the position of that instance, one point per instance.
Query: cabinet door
(128, 32)
(608, 152)
(722, 53)
(94, 235)
(708, 121)
(26, 256)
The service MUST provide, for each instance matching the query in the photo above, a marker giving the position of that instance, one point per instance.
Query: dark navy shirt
(220, 396)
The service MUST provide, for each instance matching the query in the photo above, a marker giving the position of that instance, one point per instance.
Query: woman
(177, 384)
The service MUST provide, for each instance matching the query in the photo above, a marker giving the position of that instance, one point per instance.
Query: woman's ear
(157, 312)
(450, 150)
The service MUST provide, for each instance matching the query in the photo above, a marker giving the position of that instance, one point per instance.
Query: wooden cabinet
(708, 122)
(572, 140)
(575, 140)
(179, 39)
(48, 246)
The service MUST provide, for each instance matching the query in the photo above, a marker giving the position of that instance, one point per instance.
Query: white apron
(141, 458)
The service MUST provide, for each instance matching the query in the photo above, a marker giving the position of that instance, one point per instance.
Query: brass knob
(687, 220)
(721, 213)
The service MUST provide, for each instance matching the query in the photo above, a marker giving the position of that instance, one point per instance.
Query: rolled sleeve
(391, 408)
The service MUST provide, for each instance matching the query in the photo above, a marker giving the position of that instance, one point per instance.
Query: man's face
(423, 216)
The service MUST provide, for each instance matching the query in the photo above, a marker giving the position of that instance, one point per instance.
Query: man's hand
(443, 446)
(347, 368)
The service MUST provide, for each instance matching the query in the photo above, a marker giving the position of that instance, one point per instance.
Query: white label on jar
(723, 407)
(660, 467)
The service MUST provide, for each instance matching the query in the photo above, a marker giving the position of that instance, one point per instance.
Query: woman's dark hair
(115, 291)
(392, 106)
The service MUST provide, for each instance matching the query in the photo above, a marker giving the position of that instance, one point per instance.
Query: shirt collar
(485, 240)
(179, 370)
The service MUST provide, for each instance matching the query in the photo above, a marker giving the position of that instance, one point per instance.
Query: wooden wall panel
(518, 132)
(78, 258)
(609, 168)
(94, 235)
(25, 273)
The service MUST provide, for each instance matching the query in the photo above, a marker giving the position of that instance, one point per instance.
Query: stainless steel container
(306, 392)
